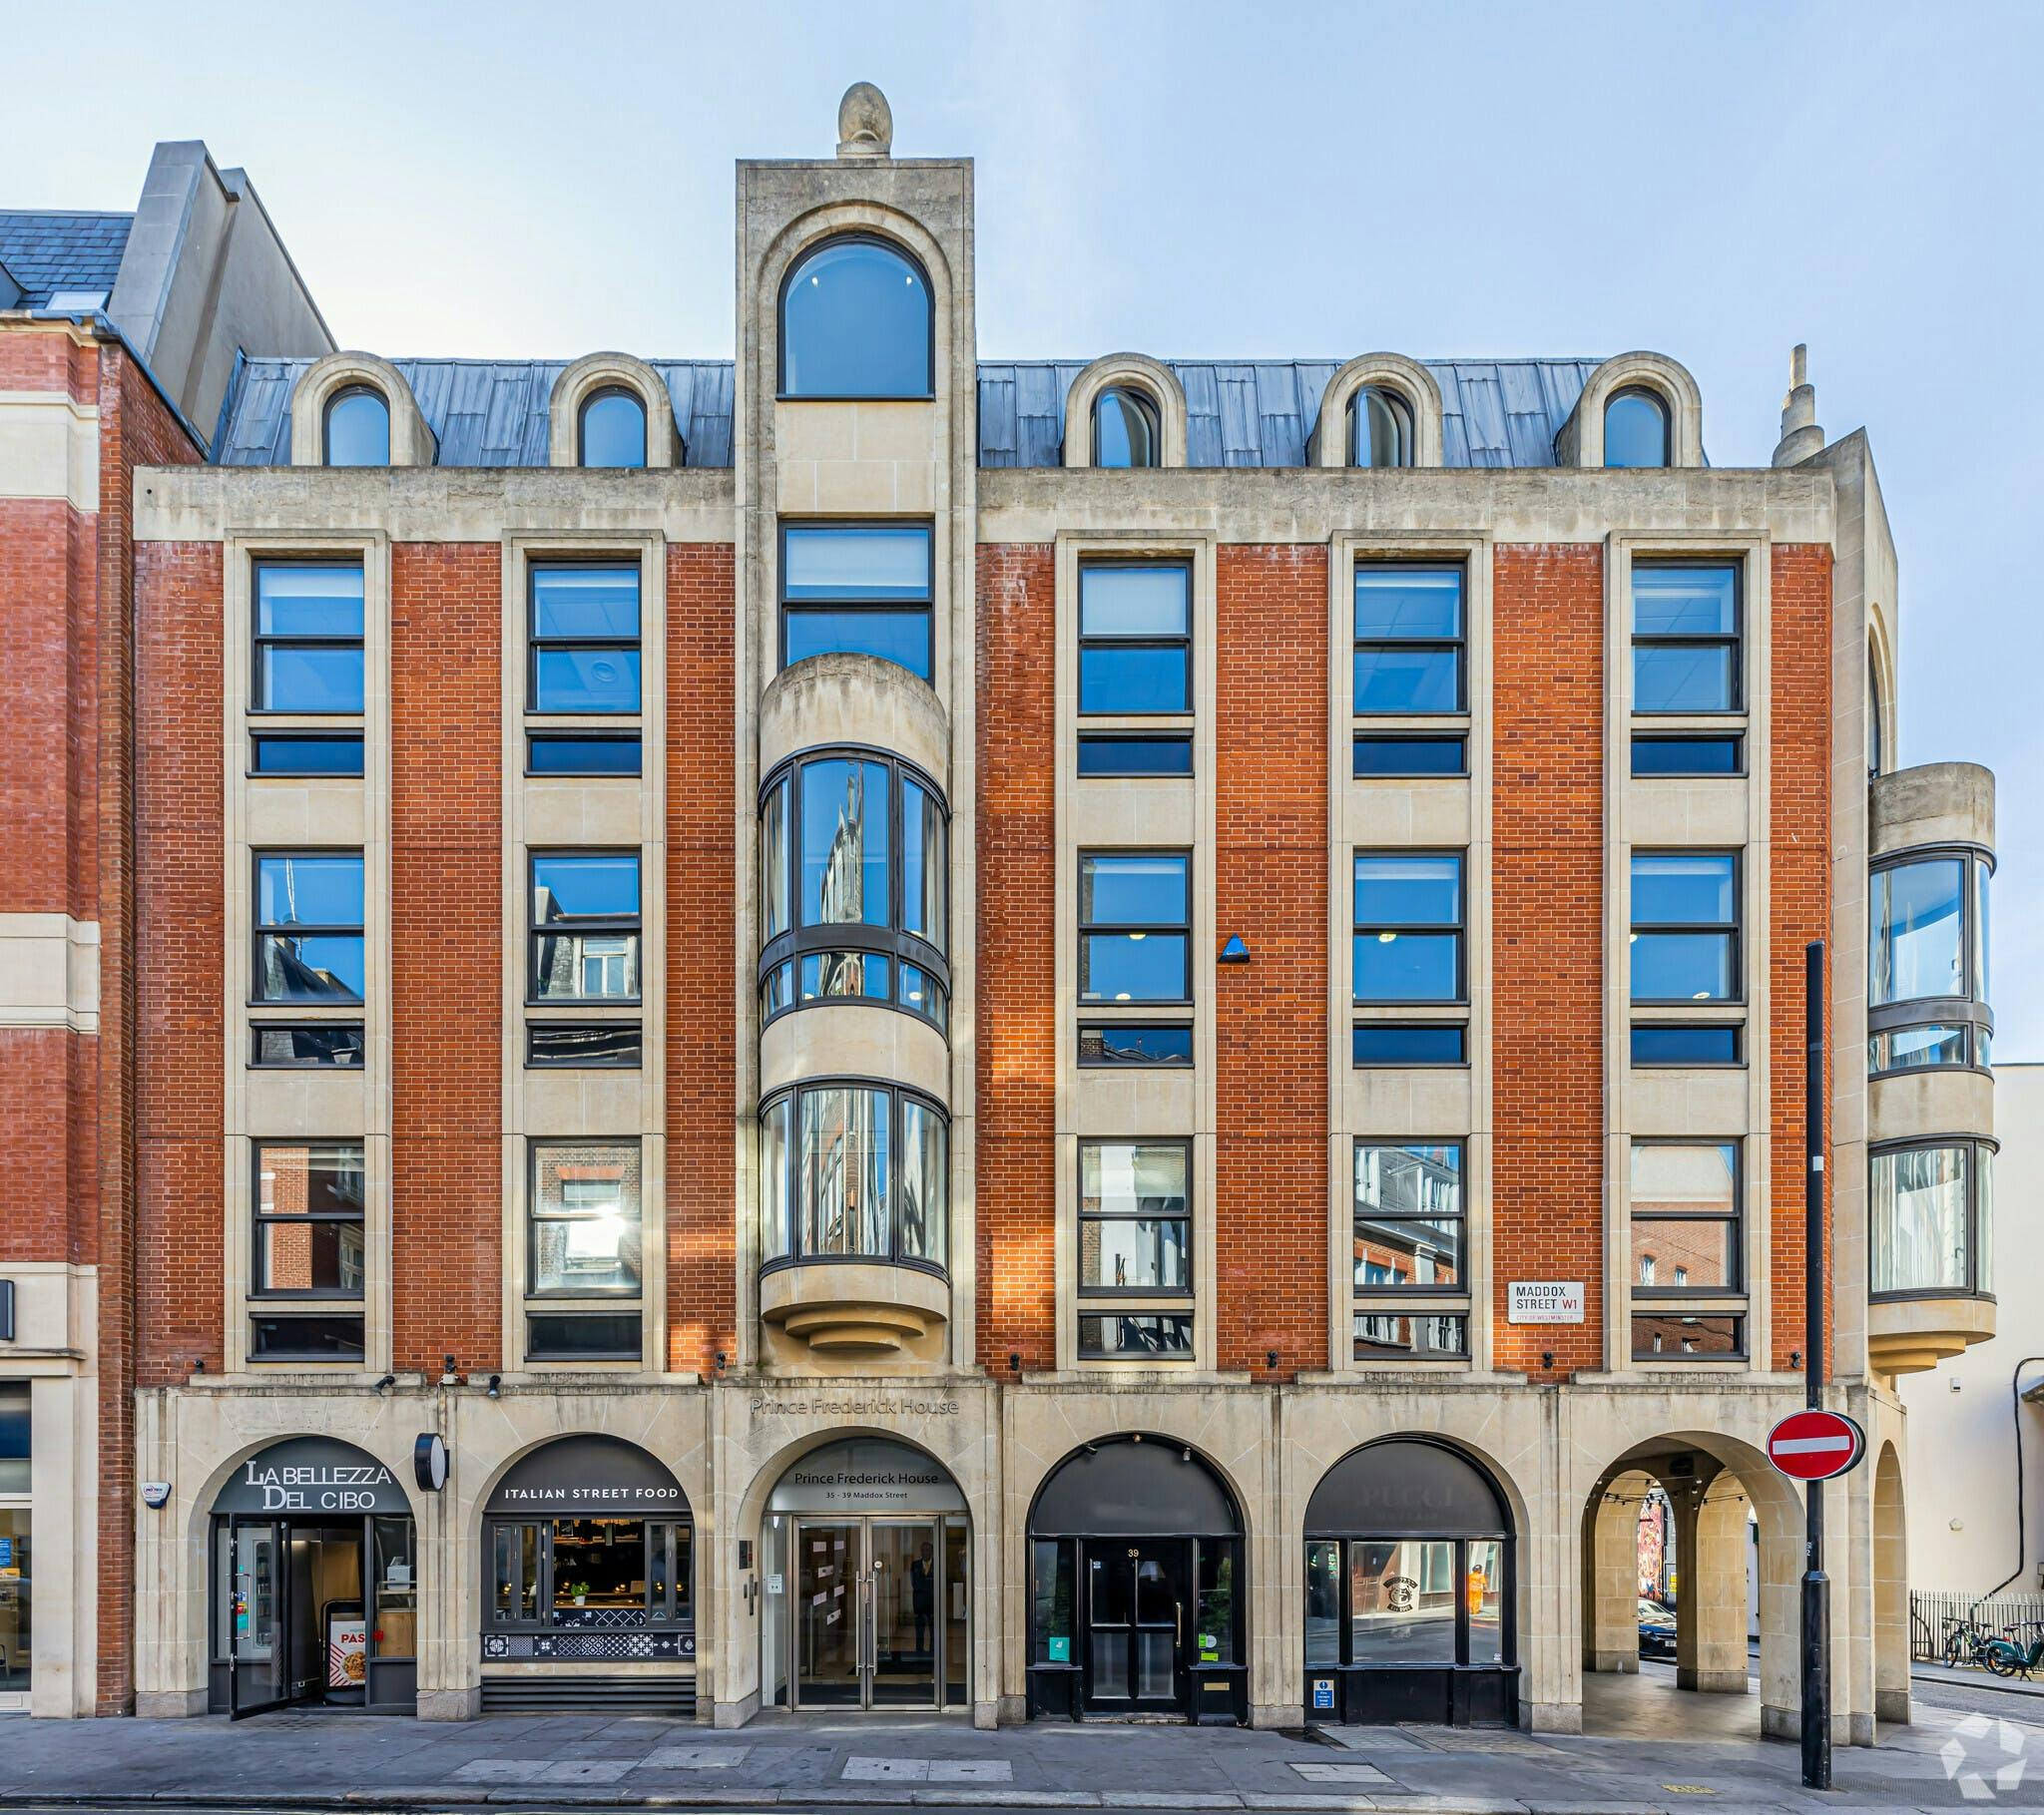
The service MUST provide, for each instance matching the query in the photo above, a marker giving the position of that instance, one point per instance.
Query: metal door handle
(1177, 1623)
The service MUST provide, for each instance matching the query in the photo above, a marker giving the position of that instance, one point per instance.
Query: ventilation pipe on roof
(1800, 436)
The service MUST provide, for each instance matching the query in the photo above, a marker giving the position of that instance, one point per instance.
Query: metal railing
(1936, 1615)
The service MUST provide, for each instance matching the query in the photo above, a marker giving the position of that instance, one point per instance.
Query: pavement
(1653, 1749)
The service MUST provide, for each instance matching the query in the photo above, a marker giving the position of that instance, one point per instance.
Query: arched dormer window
(612, 431)
(1636, 430)
(357, 427)
(1379, 428)
(856, 323)
(1126, 429)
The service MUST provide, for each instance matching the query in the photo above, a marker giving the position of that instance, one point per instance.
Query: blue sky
(1713, 181)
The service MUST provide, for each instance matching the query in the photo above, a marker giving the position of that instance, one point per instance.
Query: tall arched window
(613, 429)
(1125, 429)
(1636, 430)
(357, 427)
(1379, 428)
(856, 323)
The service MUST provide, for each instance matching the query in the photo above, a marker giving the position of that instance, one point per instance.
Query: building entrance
(314, 1584)
(866, 1608)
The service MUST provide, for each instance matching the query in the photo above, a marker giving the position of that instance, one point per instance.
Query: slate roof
(1495, 412)
(46, 251)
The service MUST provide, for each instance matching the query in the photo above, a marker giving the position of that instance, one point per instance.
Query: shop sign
(1545, 1302)
(866, 1475)
(600, 1473)
(348, 1651)
(312, 1475)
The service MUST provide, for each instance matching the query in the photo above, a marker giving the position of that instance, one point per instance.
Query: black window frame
(1735, 640)
(897, 1093)
(1178, 564)
(1413, 1288)
(1459, 1063)
(677, 1611)
(554, 1297)
(586, 734)
(1147, 406)
(1123, 928)
(258, 641)
(1738, 1316)
(795, 267)
(285, 734)
(633, 927)
(601, 392)
(1704, 1300)
(261, 1356)
(1978, 1216)
(1664, 739)
(927, 604)
(1457, 1314)
(256, 1029)
(1103, 1314)
(339, 396)
(260, 929)
(260, 1220)
(1734, 928)
(552, 1311)
(535, 642)
(1460, 772)
(1736, 1029)
(582, 1024)
(1083, 1217)
(1459, 927)
(1458, 647)
(893, 941)
(1103, 1024)
(1970, 1009)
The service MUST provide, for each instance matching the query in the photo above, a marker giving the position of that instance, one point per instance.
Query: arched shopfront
(314, 1584)
(588, 1557)
(1138, 1591)
(1410, 1583)
(865, 1551)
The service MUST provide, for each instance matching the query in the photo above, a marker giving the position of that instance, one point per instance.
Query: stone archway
(1890, 1591)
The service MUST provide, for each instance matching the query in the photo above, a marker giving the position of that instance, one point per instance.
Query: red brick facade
(1016, 1184)
(1799, 906)
(1271, 1015)
(1547, 942)
(702, 958)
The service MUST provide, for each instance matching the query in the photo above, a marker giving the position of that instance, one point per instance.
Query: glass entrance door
(258, 1619)
(869, 1615)
(1136, 1593)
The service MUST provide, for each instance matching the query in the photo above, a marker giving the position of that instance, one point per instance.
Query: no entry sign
(1815, 1446)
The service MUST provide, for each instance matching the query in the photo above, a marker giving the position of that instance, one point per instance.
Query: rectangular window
(1110, 755)
(1408, 926)
(583, 1045)
(1423, 1335)
(1117, 1336)
(1688, 757)
(1136, 638)
(1134, 927)
(309, 926)
(309, 1199)
(1411, 756)
(287, 1044)
(1410, 639)
(1684, 1216)
(1408, 1221)
(585, 926)
(1118, 1043)
(584, 633)
(1686, 630)
(860, 590)
(1685, 926)
(305, 1338)
(308, 636)
(1686, 1043)
(584, 1214)
(305, 753)
(1670, 1336)
(581, 1336)
(570, 753)
(1135, 1217)
(1409, 1043)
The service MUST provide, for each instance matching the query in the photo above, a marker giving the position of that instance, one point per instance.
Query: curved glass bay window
(1926, 985)
(1930, 1215)
(855, 895)
(856, 322)
(850, 1171)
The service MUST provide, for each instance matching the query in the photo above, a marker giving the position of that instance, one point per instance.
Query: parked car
(1657, 1630)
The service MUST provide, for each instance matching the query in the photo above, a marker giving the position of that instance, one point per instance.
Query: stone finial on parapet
(866, 123)
(1800, 436)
